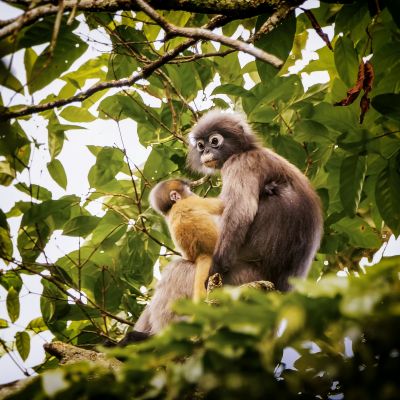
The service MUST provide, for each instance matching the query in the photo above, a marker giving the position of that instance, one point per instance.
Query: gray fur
(271, 226)
(176, 282)
(262, 237)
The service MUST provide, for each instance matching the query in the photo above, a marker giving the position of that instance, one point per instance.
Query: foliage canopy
(344, 135)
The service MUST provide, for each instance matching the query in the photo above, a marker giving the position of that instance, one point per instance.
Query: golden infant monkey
(191, 221)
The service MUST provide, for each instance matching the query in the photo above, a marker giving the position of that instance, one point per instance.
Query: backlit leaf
(80, 226)
(12, 302)
(23, 343)
(57, 172)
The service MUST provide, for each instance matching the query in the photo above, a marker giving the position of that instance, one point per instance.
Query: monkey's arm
(241, 195)
(211, 205)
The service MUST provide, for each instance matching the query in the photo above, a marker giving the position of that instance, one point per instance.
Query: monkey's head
(166, 193)
(216, 137)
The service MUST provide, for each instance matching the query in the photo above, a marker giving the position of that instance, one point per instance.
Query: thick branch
(68, 354)
(237, 9)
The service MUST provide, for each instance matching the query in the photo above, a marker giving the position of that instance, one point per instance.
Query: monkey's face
(216, 137)
(210, 150)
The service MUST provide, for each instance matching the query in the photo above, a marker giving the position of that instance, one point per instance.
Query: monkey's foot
(214, 282)
(265, 286)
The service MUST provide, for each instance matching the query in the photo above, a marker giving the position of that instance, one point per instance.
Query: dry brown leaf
(353, 92)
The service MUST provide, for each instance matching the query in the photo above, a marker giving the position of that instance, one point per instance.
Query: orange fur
(195, 232)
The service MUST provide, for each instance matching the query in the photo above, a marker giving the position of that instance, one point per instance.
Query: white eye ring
(216, 140)
(200, 145)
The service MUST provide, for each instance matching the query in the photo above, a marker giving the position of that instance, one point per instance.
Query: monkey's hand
(217, 267)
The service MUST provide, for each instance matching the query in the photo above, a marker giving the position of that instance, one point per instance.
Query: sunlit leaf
(77, 114)
(37, 325)
(3, 323)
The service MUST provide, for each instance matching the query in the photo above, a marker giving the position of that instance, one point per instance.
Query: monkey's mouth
(209, 161)
(211, 164)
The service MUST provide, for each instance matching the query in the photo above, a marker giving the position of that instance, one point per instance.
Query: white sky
(77, 161)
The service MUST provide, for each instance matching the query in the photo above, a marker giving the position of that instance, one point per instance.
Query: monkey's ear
(174, 195)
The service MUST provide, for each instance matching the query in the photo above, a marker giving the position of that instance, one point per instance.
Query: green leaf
(49, 67)
(56, 134)
(307, 130)
(57, 172)
(234, 90)
(37, 33)
(353, 20)
(394, 9)
(121, 66)
(13, 304)
(109, 162)
(6, 247)
(7, 79)
(388, 104)
(7, 173)
(387, 194)
(81, 226)
(122, 106)
(346, 60)
(77, 114)
(183, 77)
(56, 142)
(10, 279)
(30, 58)
(290, 149)
(3, 323)
(278, 42)
(93, 68)
(36, 191)
(37, 325)
(360, 234)
(352, 175)
(23, 343)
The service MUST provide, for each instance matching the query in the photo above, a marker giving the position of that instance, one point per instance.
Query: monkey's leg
(203, 265)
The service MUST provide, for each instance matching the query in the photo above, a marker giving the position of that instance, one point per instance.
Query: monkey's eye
(216, 140)
(200, 145)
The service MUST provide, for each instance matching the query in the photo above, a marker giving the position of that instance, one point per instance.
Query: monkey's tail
(203, 265)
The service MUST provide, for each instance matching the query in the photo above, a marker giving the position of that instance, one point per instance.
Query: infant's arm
(213, 205)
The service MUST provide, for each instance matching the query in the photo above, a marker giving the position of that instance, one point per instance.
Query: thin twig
(56, 29)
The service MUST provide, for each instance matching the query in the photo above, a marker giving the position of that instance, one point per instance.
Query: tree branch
(67, 354)
(271, 23)
(205, 34)
(147, 70)
(236, 9)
